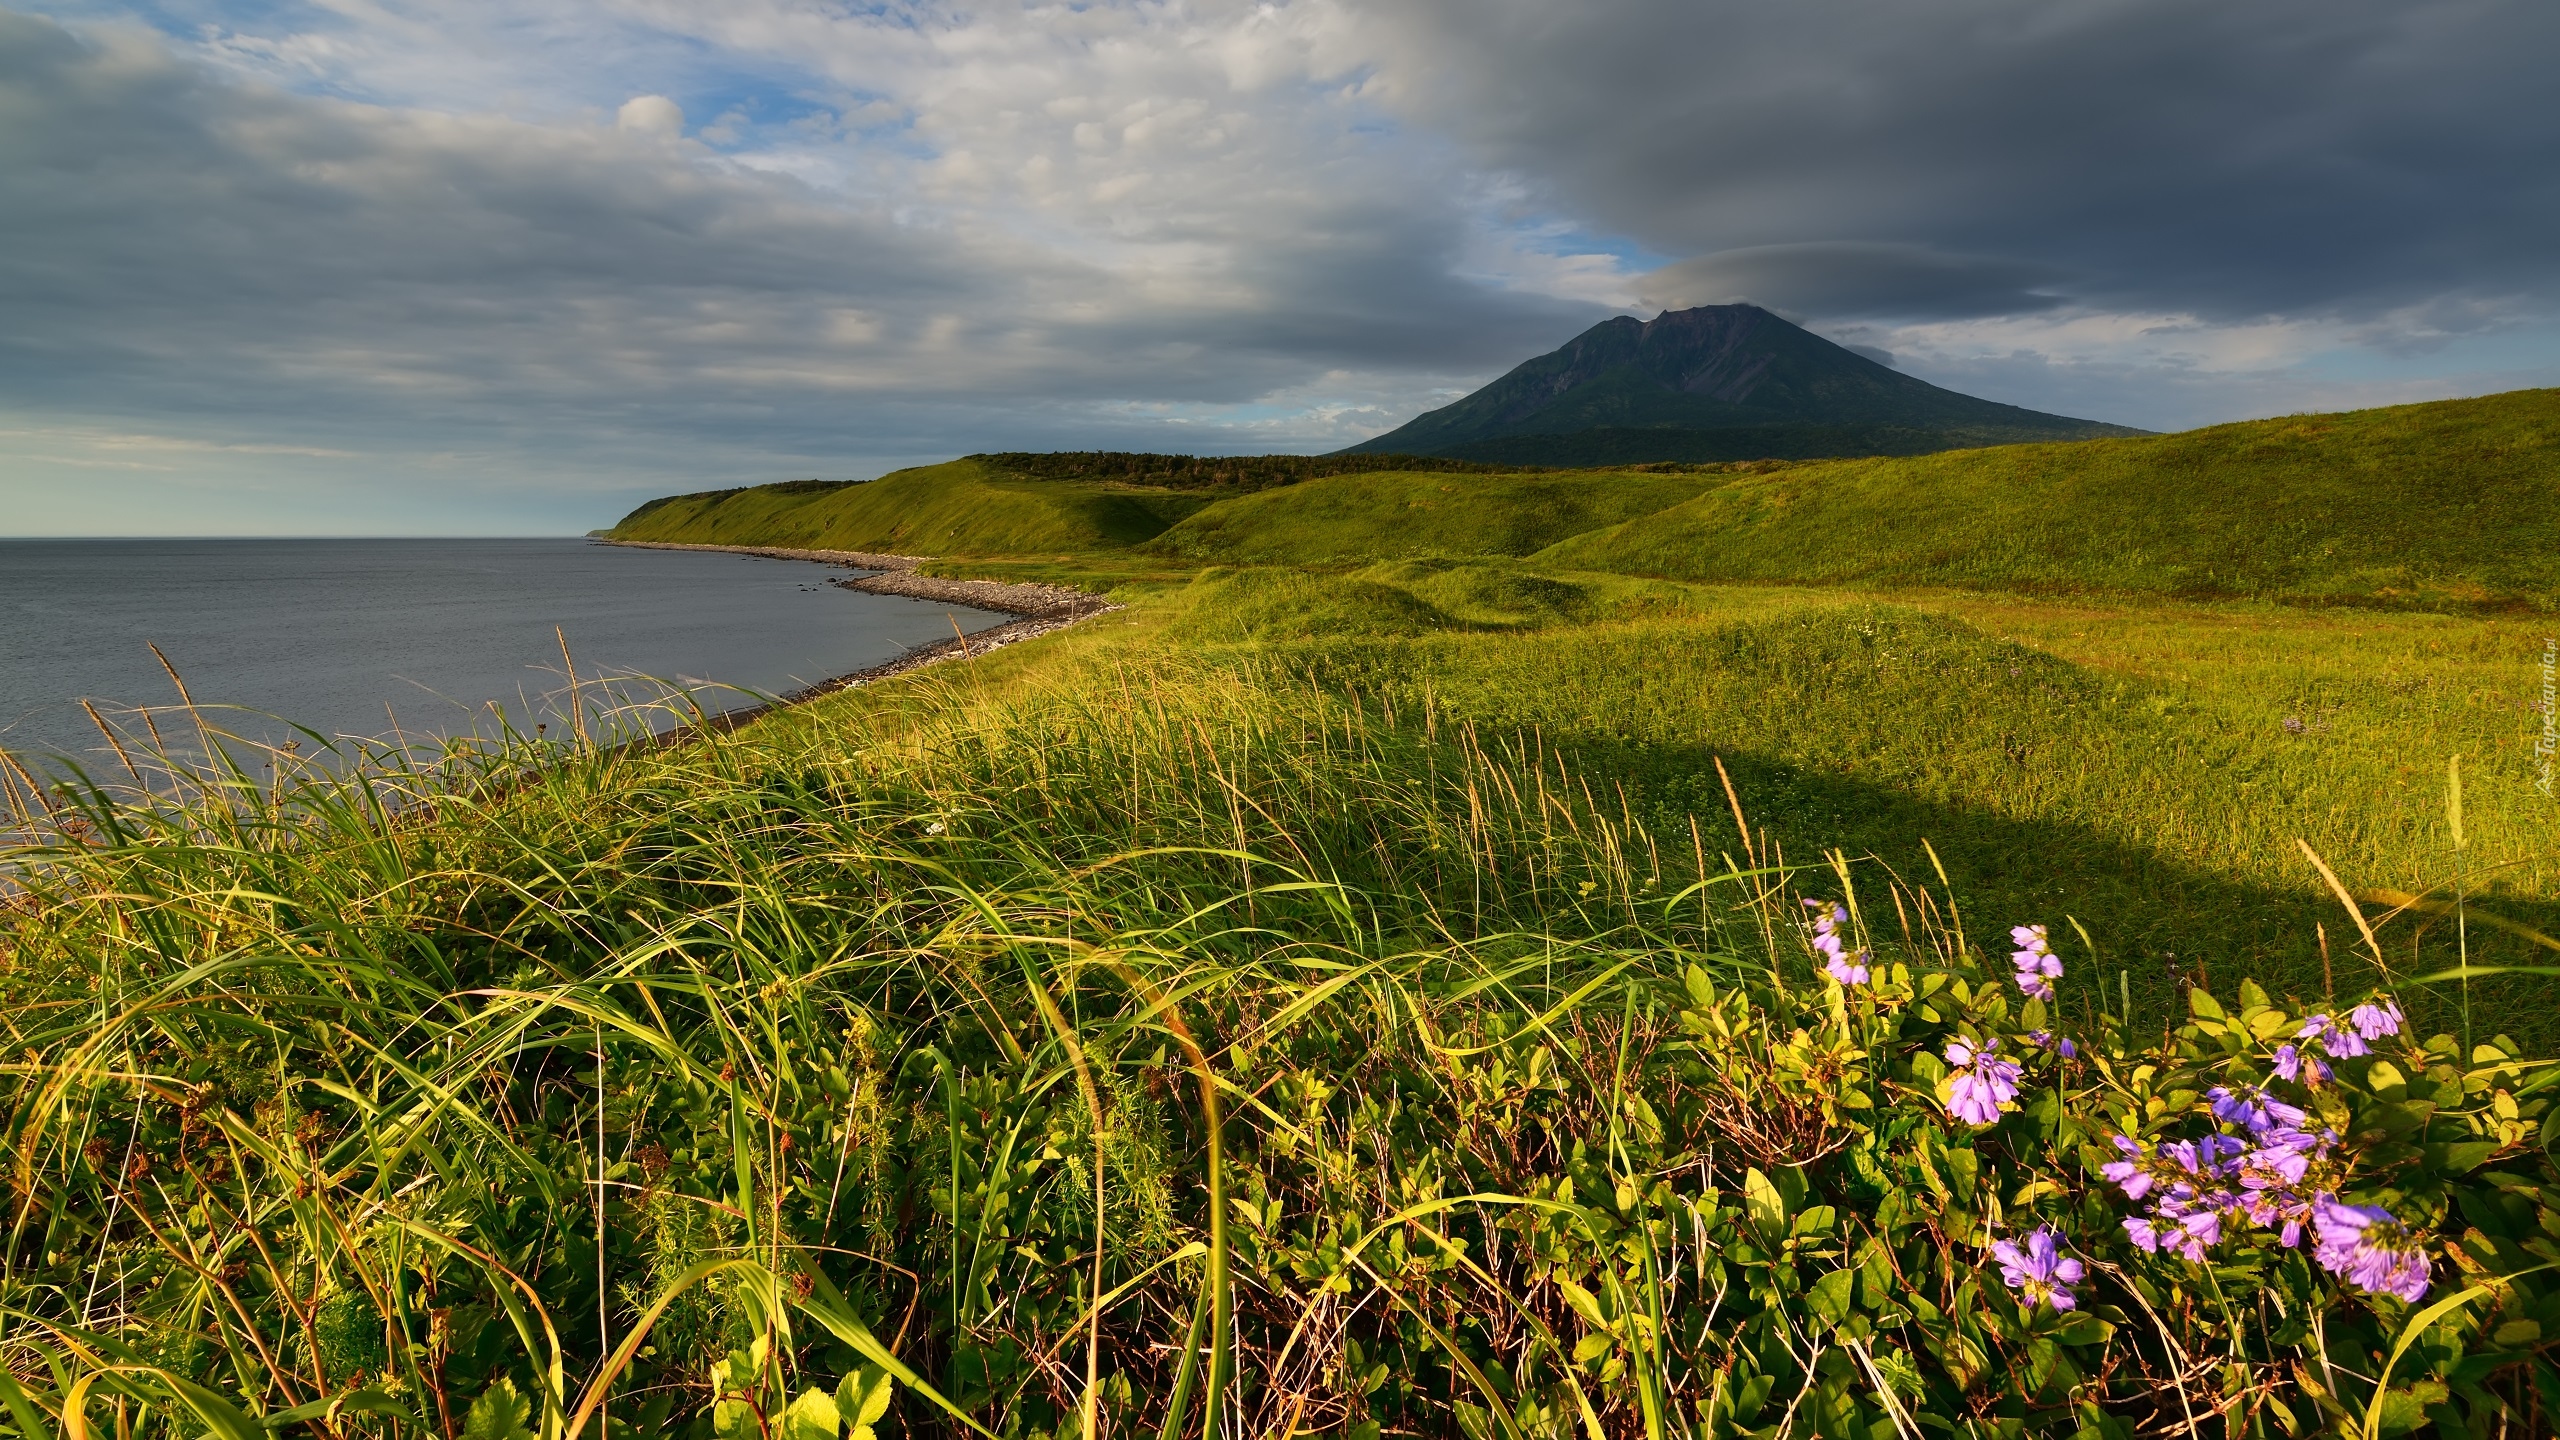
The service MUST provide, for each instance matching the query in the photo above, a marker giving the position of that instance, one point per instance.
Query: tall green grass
(396, 1084)
(2153, 766)
(1112, 1039)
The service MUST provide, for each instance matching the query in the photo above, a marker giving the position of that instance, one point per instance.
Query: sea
(414, 639)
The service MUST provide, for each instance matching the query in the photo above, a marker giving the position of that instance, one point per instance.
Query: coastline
(898, 577)
(1037, 610)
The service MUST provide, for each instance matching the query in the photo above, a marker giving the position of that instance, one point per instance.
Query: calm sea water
(342, 635)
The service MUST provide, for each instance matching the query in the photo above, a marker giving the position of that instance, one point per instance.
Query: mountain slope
(1631, 386)
(2449, 504)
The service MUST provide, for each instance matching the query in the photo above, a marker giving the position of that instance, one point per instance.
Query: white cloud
(651, 115)
(483, 230)
(254, 251)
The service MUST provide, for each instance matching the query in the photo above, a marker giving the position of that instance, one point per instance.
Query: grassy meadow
(1361, 989)
(2442, 505)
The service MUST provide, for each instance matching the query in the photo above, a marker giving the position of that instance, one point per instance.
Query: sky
(512, 266)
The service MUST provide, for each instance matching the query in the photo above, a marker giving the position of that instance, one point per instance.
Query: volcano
(1720, 382)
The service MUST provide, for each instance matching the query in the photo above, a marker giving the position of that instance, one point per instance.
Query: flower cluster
(2270, 1170)
(2369, 1248)
(1837, 962)
(2037, 967)
(2343, 1040)
(1983, 1083)
(2038, 1270)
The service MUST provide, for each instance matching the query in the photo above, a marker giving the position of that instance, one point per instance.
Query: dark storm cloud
(2339, 157)
(1217, 225)
(1848, 278)
(176, 242)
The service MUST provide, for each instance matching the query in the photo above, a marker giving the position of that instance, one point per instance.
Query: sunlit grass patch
(1369, 1064)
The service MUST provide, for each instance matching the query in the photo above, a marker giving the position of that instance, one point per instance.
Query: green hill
(1403, 514)
(965, 507)
(1623, 445)
(2451, 503)
(1226, 474)
(1628, 391)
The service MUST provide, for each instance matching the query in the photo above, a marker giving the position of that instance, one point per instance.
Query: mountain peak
(1714, 382)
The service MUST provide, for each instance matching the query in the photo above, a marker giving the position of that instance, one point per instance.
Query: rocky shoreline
(898, 577)
(1038, 609)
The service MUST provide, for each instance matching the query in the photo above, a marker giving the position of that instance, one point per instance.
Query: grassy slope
(1399, 515)
(1629, 445)
(2127, 758)
(959, 508)
(2126, 763)
(2454, 502)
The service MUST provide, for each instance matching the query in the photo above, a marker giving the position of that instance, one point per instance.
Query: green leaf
(1761, 1201)
(2203, 1006)
(2460, 1158)
(499, 1414)
(2079, 1327)
(1962, 1168)
(1830, 1296)
(1584, 1303)
(863, 1398)
(811, 1417)
(735, 1420)
(1702, 990)
(2395, 1412)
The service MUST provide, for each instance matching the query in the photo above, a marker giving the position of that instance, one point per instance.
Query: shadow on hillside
(2160, 921)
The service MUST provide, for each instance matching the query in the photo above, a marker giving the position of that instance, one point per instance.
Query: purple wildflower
(2037, 967)
(2038, 1270)
(2045, 1039)
(2187, 1233)
(2255, 1111)
(2364, 1246)
(2197, 1232)
(1983, 1082)
(2281, 1160)
(2272, 1177)
(2333, 1037)
(2376, 1018)
(2293, 1064)
(2128, 1174)
(2210, 1157)
(1837, 962)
